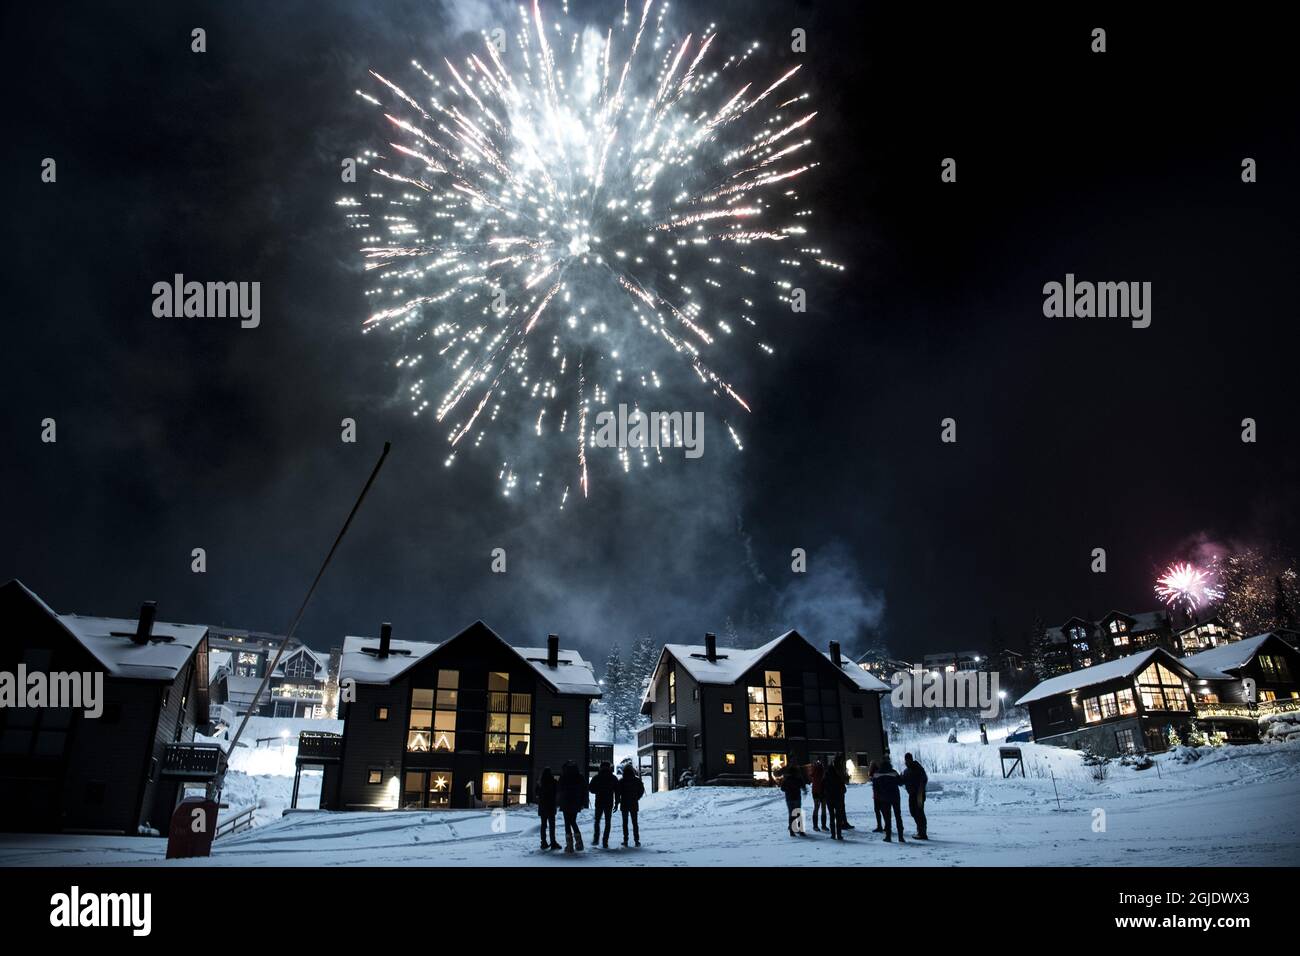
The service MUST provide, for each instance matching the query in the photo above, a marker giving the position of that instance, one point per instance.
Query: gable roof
(1217, 661)
(572, 675)
(108, 641)
(1098, 674)
(300, 649)
(731, 664)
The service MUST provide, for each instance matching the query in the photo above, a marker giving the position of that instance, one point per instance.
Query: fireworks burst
(1186, 586)
(571, 218)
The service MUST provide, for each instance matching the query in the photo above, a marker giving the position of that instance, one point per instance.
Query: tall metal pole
(270, 667)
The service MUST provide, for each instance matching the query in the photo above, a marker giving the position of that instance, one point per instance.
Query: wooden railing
(192, 761)
(598, 753)
(1248, 711)
(316, 746)
(243, 820)
(661, 735)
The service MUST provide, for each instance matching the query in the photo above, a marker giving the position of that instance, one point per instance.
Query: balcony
(598, 753)
(193, 761)
(316, 747)
(1246, 711)
(661, 736)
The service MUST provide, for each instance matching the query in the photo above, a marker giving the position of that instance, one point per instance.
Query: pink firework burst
(1185, 585)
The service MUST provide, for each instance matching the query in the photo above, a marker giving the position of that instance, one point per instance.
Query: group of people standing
(829, 783)
(570, 793)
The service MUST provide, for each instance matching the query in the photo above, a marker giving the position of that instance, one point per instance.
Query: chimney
(385, 639)
(835, 654)
(552, 650)
(710, 647)
(144, 630)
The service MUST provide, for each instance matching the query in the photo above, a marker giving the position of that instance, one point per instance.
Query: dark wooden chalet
(61, 770)
(1124, 705)
(731, 715)
(469, 722)
(1222, 695)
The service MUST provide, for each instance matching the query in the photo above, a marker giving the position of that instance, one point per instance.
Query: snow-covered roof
(572, 675)
(1097, 674)
(1217, 661)
(108, 641)
(216, 661)
(731, 663)
(1142, 621)
(240, 689)
(864, 679)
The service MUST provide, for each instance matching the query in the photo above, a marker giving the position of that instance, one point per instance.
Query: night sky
(1072, 434)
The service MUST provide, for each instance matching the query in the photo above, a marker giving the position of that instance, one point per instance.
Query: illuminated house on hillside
(1124, 705)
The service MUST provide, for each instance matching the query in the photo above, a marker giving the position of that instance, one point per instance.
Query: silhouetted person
(885, 785)
(571, 795)
(818, 775)
(834, 788)
(546, 806)
(630, 792)
(875, 800)
(604, 785)
(792, 785)
(914, 779)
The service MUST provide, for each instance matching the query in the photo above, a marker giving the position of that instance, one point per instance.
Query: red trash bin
(193, 825)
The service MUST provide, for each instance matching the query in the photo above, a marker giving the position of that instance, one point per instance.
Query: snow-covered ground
(261, 769)
(1234, 806)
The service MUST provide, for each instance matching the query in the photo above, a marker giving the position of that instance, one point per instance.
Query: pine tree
(1041, 651)
(614, 696)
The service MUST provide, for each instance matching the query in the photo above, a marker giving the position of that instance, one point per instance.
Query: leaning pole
(219, 780)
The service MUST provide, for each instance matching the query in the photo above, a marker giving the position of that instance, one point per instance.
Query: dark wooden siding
(368, 742)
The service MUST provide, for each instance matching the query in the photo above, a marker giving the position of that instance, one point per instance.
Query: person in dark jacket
(546, 806)
(630, 791)
(818, 778)
(792, 785)
(834, 788)
(571, 796)
(885, 786)
(604, 785)
(914, 779)
(871, 773)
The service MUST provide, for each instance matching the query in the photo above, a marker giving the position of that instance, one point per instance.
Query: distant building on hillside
(1080, 643)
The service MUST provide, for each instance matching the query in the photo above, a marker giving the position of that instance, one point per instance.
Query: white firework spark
(563, 227)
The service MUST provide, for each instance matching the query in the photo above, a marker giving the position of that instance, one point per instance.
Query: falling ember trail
(599, 214)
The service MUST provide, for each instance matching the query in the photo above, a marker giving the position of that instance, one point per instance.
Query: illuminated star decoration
(571, 217)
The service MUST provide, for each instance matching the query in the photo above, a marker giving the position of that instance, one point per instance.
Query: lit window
(1091, 710)
(557, 721)
(766, 710)
(381, 713)
(433, 716)
(1161, 689)
(730, 759)
(374, 776)
(728, 707)
(766, 766)
(509, 720)
(672, 687)
(504, 789)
